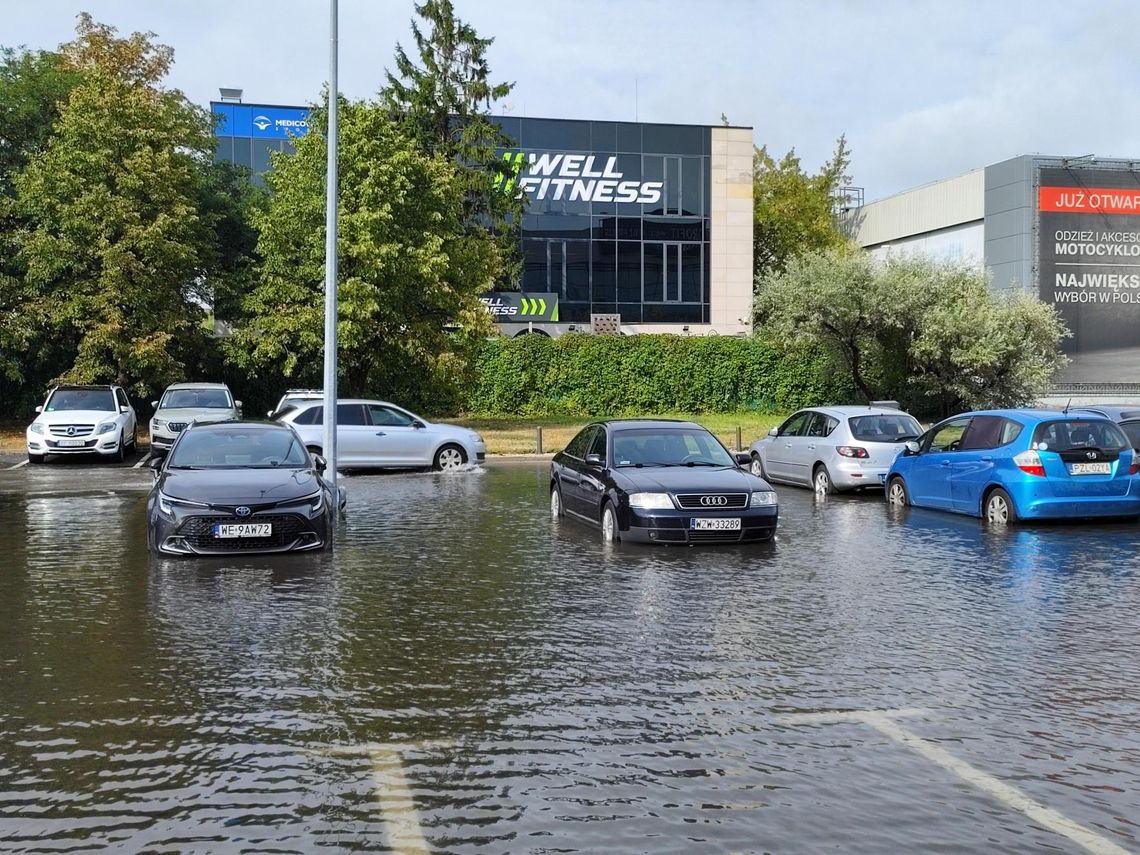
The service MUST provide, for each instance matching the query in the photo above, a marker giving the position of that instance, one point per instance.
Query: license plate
(72, 443)
(243, 529)
(1090, 469)
(715, 524)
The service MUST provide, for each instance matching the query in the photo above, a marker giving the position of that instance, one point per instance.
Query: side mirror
(320, 464)
(237, 404)
(155, 466)
(743, 459)
(911, 447)
(124, 409)
(418, 425)
(154, 404)
(774, 432)
(594, 460)
(39, 409)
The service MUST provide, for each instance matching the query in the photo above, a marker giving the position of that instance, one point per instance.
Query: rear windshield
(884, 427)
(1068, 434)
(81, 399)
(1132, 430)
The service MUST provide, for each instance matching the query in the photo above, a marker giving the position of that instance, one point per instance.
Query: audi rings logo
(71, 430)
(714, 501)
(1091, 455)
(243, 511)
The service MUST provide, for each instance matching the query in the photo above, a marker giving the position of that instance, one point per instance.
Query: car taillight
(1030, 463)
(852, 451)
(1134, 468)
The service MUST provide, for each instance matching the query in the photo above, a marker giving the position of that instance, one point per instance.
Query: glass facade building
(619, 216)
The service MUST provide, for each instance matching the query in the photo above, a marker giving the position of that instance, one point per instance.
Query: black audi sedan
(236, 488)
(659, 481)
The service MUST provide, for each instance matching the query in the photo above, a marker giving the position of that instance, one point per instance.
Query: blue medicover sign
(260, 121)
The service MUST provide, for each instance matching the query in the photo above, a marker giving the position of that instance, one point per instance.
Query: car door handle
(787, 445)
(812, 447)
(945, 463)
(381, 433)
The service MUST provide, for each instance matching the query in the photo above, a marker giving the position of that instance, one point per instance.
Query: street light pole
(330, 257)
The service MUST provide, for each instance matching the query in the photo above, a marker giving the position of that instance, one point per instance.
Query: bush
(587, 375)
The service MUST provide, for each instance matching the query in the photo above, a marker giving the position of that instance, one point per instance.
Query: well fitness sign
(575, 177)
(1089, 267)
(517, 307)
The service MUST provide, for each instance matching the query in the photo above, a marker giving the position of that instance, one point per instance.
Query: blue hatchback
(1006, 465)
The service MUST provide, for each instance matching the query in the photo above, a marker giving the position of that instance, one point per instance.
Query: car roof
(236, 425)
(197, 386)
(1116, 412)
(845, 410)
(642, 424)
(340, 401)
(80, 386)
(1031, 414)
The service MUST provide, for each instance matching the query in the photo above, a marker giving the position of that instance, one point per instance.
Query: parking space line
(1009, 795)
(18, 465)
(393, 792)
(145, 458)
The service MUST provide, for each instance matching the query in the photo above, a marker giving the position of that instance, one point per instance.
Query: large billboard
(1089, 268)
(259, 121)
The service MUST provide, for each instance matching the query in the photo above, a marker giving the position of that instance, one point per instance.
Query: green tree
(443, 104)
(114, 255)
(795, 212)
(926, 332)
(410, 273)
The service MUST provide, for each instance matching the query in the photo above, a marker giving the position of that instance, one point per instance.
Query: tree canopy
(925, 332)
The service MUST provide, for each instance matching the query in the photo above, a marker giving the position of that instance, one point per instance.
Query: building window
(673, 272)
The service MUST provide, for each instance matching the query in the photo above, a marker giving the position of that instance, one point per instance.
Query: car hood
(198, 414)
(696, 479)
(239, 486)
(77, 417)
(449, 430)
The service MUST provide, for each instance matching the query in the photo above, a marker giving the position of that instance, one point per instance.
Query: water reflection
(547, 691)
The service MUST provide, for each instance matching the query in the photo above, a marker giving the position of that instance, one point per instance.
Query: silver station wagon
(833, 449)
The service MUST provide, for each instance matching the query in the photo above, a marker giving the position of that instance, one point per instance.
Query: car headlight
(36, 427)
(106, 427)
(764, 499)
(166, 504)
(476, 436)
(316, 502)
(157, 423)
(650, 501)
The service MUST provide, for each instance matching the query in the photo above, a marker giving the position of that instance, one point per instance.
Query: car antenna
(1067, 403)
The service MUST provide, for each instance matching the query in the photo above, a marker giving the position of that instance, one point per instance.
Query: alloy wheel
(555, 503)
(756, 467)
(822, 482)
(896, 495)
(609, 525)
(449, 458)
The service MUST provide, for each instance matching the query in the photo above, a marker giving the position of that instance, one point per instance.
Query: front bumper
(674, 526)
(106, 444)
(193, 534)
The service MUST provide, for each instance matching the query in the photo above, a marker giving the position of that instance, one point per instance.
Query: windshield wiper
(705, 463)
(640, 465)
(187, 467)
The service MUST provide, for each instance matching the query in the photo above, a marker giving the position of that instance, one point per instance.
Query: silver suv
(834, 448)
(183, 403)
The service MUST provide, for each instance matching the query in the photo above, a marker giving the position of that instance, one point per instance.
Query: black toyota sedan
(237, 488)
(659, 481)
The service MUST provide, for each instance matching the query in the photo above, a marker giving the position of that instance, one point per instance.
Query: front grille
(712, 501)
(71, 430)
(199, 532)
(176, 427)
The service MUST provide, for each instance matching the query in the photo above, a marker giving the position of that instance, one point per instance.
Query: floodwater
(465, 675)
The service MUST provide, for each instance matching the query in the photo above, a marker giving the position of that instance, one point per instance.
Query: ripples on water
(549, 693)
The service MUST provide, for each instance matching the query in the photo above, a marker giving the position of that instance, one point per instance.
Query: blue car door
(930, 474)
(972, 468)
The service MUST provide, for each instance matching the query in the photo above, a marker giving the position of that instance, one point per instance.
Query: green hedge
(588, 375)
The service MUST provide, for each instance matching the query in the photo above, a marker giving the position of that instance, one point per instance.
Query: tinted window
(669, 447)
(884, 427)
(598, 444)
(820, 425)
(311, 416)
(577, 446)
(81, 399)
(122, 398)
(1132, 431)
(350, 414)
(948, 436)
(795, 425)
(196, 398)
(202, 448)
(387, 416)
(1067, 434)
(983, 432)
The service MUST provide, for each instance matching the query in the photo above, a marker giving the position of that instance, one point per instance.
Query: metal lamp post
(330, 258)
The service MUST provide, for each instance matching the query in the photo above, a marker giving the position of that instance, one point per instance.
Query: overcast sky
(923, 90)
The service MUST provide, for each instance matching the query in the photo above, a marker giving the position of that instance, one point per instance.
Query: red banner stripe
(1089, 200)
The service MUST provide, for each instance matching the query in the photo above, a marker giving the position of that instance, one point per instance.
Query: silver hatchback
(832, 449)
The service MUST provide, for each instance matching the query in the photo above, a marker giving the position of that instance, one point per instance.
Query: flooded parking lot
(464, 674)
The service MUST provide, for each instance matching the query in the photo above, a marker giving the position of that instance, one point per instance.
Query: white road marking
(18, 465)
(393, 793)
(882, 721)
(145, 458)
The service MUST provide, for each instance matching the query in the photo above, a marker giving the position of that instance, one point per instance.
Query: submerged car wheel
(121, 455)
(449, 457)
(609, 524)
(756, 467)
(999, 508)
(897, 494)
(821, 481)
(556, 502)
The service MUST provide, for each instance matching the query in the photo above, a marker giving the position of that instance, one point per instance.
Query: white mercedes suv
(83, 420)
(183, 403)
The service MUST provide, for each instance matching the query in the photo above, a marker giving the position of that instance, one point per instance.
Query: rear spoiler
(885, 405)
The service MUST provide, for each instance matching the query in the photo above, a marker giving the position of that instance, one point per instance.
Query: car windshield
(669, 447)
(202, 448)
(81, 399)
(884, 427)
(1071, 434)
(196, 399)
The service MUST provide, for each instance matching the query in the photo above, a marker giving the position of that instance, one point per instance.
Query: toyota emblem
(243, 511)
(710, 501)
(1091, 455)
